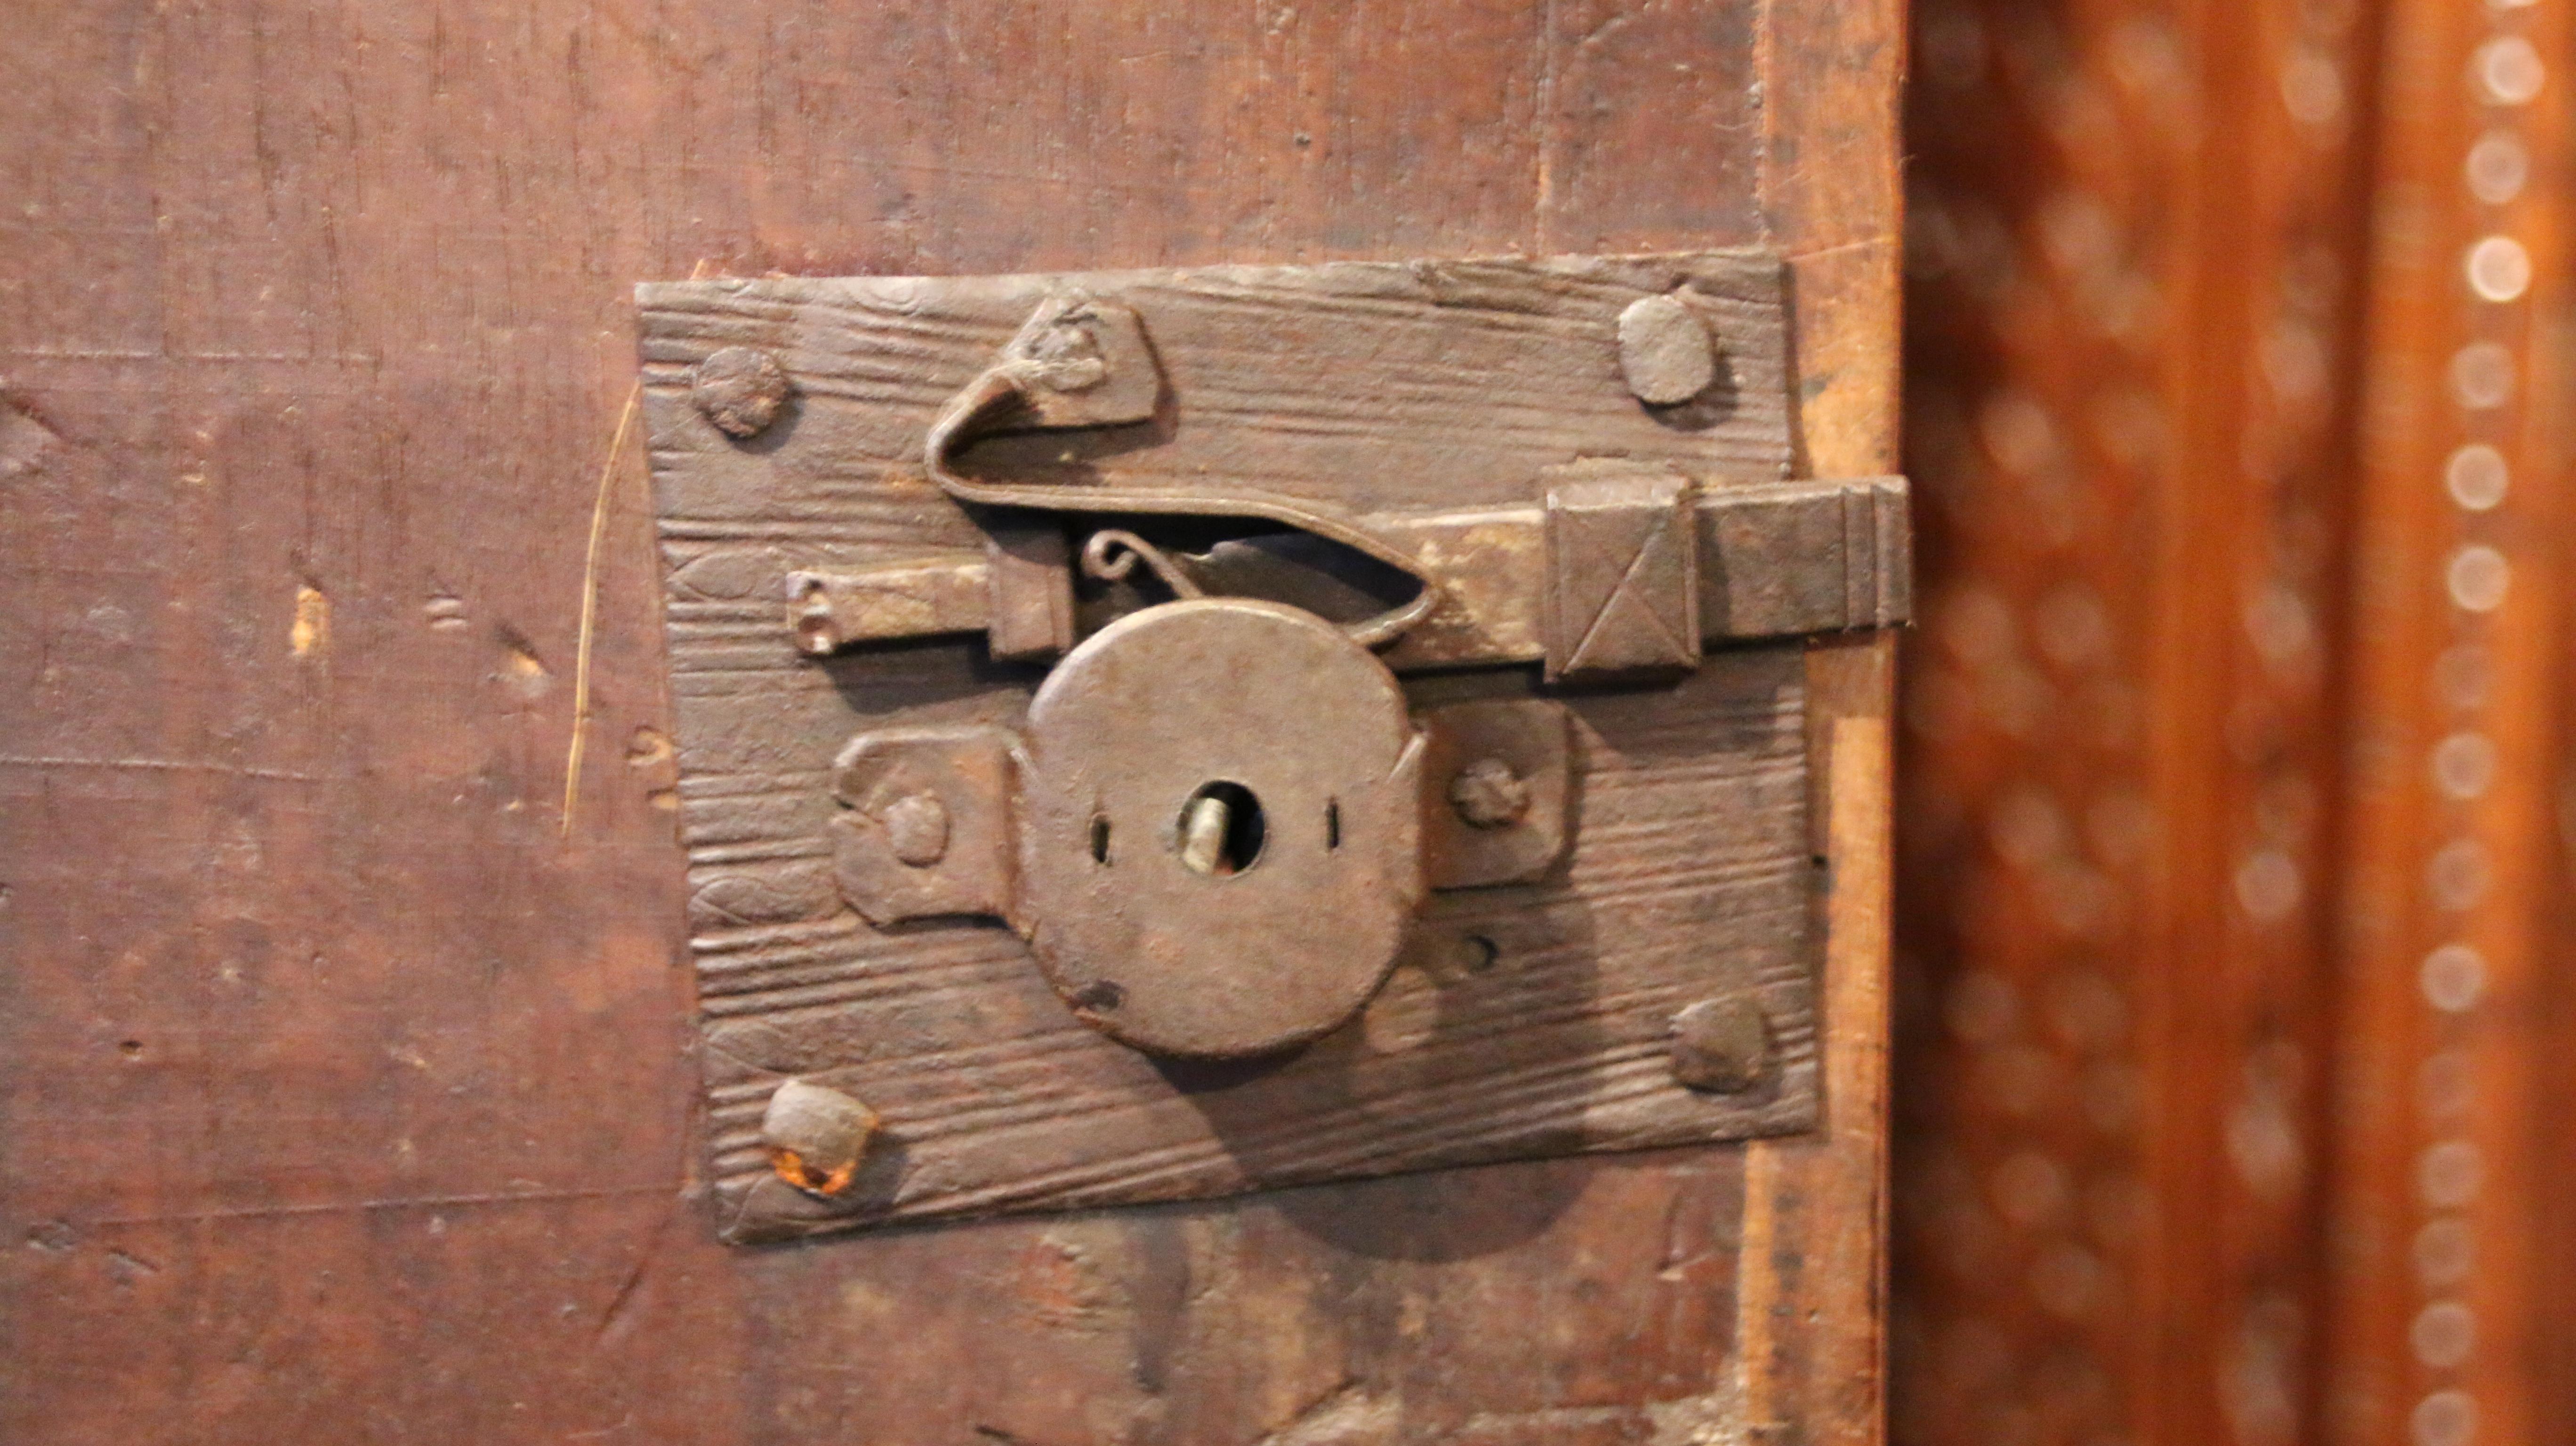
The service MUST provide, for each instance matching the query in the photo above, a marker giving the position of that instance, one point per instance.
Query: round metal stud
(739, 390)
(1665, 351)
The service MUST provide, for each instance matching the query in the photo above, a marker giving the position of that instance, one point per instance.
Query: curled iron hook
(1055, 358)
(1112, 553)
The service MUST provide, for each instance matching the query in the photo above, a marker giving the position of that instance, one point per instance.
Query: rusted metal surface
(1806, 557)
(1500, 779)
(816, 1137)
(1488, 793)
(1774, 561)
(1213, 827)
(1622, 593)
(1520, 1018)
(828, 611)
(924, 828)
(1665, 351)
(1354, 916)
(1029, 586)
(1722, 1044)
(1299, 899)
(1079, 362)
(739, 391)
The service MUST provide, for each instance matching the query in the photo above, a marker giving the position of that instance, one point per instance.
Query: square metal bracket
(1622, 592)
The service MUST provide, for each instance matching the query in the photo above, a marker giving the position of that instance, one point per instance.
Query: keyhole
(1221, 829)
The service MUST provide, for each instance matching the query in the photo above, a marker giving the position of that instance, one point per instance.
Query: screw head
(1665, 351)
(916, 826)
(739, 390)
(1721, 1045)
(1489, 794)
(1068, 357)
(816, 1136)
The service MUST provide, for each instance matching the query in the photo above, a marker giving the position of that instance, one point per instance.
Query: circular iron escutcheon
(1221, 837)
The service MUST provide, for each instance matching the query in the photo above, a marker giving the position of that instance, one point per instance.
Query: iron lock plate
(1549, 503)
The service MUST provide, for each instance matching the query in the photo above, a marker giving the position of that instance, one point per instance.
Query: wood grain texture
(1377, 389)
(1424, 383)
(1817, 1274)
(344, 1099)
(1689, 877)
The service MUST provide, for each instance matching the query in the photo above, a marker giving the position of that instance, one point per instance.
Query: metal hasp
(1213, 828)
(1151, 735)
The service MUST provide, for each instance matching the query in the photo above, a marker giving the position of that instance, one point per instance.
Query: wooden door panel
(347, 1083)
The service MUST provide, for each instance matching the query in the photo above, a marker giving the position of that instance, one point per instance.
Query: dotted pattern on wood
(2450, 1148)
(2134, 239)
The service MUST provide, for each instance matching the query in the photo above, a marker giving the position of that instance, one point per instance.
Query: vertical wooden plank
(1620, 169)
(1810, 1312)
(1816, 1209)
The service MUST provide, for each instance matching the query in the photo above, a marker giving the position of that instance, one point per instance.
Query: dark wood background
(344, 1082)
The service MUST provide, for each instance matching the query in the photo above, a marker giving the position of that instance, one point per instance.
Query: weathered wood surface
(1428, 383)
(1382, 390)
(1689, 878)
(346, 1099)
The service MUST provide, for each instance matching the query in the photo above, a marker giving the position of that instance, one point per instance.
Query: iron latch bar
(1775, 560)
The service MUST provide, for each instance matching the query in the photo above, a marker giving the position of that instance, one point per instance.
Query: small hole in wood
(1100, 838)
(1476, 953)
(1332, 823)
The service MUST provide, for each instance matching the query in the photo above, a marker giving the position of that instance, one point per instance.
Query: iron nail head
(739, 390)
(816, 1136)
(1721, 1045)
(1665, 351)
(916, 828)
(1489, 793)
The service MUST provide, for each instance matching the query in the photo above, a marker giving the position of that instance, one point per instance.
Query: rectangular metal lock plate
(1548, 501)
